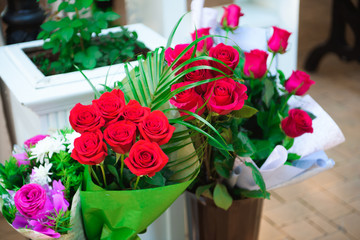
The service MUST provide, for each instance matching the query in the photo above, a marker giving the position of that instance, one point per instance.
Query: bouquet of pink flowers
(39, 186)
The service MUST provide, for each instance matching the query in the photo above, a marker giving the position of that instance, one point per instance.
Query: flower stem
(227, 34)
(95, 176)
(137, 181)
(101, 165)
(122, 166)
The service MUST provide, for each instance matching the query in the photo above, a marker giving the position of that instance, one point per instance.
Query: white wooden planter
(37, 103)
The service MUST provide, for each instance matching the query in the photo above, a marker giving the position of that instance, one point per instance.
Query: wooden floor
(326, 206)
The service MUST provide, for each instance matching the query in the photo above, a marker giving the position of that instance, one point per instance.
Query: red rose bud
(172, 54)
(279, 40)
(299, 82)
(226, 54)
(226, 95)
(297, 123)
(146, 158)
(134, 112)
(255, 63)
(110, 105)
(89, 148)
(230, 19)
(156, 128)
(198, 75)
(120, 136)
(187, 100)
(85, 118)
(205, 44)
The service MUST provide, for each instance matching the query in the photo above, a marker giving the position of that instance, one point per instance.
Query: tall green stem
(137, 181)
(101, 165)
(122, 166)
(227, 34)
(95, 176)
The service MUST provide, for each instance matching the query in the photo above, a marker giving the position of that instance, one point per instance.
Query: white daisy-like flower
(70, 138)
(45, 148)
(41, 175)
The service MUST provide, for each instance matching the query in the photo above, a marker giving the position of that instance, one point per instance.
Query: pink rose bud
(279, 40)
(255, 63)
(205, 44)
(297, 123)
(230, 19)
(299, 82)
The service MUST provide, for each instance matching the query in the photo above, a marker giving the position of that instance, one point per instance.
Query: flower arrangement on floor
(249, 105)
(38, 187)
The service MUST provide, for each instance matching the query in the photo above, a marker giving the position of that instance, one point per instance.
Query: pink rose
(226, 54)
(226, 95)
(30, 200)
(299, 82)
(230, 19)
(22, 158)
(172, 54)
(198, 75)
(279, 40)
(297, 123)
(255, 63)
(205, 44)
(34, 140)
(187, 100)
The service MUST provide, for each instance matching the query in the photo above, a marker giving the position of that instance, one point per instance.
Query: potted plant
(43, 102)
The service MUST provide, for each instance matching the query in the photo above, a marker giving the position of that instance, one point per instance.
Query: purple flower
(30, 199)
(34, 140)
(58, 198)
(42, 228)
(22, 158)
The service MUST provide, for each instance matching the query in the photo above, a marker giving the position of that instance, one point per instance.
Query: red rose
(146, 158)
(297, 123)
(226, 95)
(85, 118)
(134, 112)
(120, 136)
(156, 128)
(299, 81)
(187, 100)
(226, 54)
(279, 40)
(230, 19)
(110, 105)
(205, 44)
(89, 148)
(255, 63)
(172, 54)
(198, 75)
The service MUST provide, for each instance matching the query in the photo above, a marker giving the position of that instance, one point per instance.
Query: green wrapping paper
(123, 214)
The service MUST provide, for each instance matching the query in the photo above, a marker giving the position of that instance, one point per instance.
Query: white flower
(45, 148)
(70, 138)
(41, 175)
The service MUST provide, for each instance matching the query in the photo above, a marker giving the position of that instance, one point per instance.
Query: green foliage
(12, 175)
(76, 40)
(257, 178)
(222, 198)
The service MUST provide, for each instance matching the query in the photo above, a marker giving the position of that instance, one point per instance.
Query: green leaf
(288, 142)
(201, 189)
(62, 6)
(268, 91)
(312, 116)
(263, 149)
(244, 112)
(293, 156)
(156, 180)
(281, 77)
(49, 26)
(66, 33)
(111, 16)
(222, 197)
(114, 172)
(76, 23)
(257, 177)
(254, 194)
(242, 144)
(223, 165)
(83, 4)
